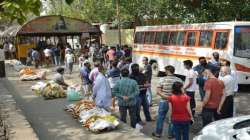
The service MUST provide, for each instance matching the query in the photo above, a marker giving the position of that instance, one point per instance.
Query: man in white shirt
(12, 50)
(47, 53)
(190, 83)
(233, 74)
(226, 106)
(101, 90)
(69, 58)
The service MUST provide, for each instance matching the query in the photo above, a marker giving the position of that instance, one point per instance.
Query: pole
(119, 21)
(2, 65)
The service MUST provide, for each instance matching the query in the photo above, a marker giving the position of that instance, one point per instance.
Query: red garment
(216, 87)
(179, 107)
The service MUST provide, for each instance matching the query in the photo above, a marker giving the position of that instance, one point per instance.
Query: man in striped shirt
(164, 89)
(126, 91)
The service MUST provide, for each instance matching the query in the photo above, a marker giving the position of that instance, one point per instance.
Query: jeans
(132, 114)
(142, 101)
(192, 101)
(162, 112)
(57, 60)
(149, 95)
(181, 130)
(202, 92)
(208, 115)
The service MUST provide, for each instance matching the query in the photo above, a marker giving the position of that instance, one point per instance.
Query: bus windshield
(242, 41)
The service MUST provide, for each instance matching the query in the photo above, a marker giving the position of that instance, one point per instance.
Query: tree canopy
(137, 11)
(19, 10)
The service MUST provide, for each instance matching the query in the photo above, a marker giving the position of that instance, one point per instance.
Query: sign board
(2, 55)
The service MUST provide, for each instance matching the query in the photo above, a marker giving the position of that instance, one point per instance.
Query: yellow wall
(22, 50)
(110, 37)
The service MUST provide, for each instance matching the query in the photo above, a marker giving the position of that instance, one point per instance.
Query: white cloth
(234, 75)
(47, 52)
(58, 78)
(12, 48)
(93, 74)
(229, 84)
(69, 58)
(190, 74)
(102, 92)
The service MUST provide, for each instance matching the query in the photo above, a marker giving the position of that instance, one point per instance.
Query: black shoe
(156, 135)
(150, 120)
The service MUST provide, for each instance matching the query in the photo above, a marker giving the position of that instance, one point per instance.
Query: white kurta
(102, 92)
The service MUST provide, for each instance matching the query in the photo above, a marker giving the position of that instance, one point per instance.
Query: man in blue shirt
(84, 74)
(126, 90)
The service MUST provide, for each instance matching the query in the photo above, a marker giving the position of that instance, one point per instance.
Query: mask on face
(205, 78)
(203, 63)
(222, 74)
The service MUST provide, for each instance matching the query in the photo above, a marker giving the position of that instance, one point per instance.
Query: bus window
(138, 37)
(205, 38)
(149, 38)
(158, 37)
(191, 38)
(165, 36)
(180, 38)
(242, 41)
(221, 40)
(173, 38)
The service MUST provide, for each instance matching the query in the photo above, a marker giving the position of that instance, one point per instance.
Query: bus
(171, 44)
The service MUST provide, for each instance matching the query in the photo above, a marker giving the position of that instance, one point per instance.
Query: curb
(18, 128)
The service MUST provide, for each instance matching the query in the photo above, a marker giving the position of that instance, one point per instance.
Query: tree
(18, 10)
(158, 11)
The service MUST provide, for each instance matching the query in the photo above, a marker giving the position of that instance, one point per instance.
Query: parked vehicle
(237, 128)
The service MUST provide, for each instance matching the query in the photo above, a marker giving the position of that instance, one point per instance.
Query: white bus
(171, 44)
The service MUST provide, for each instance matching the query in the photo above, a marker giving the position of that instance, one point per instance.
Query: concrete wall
(110, 37)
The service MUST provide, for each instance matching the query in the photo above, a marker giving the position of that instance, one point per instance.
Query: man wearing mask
(215, 59)
(142, 97)
(214, 90)
(200, 79)
(226, 106)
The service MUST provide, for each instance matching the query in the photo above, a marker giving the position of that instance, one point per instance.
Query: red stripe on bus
(166, 54)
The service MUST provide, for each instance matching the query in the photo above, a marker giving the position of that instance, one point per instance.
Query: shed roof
(57, 25)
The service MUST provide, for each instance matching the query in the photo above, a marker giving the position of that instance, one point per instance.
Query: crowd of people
(114, 77)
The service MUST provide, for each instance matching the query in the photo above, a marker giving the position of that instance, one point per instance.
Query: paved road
(51, 122)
